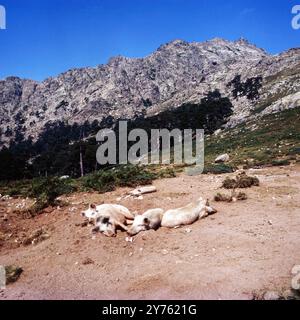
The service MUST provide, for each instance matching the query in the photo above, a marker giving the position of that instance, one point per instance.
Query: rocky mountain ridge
(177, 73)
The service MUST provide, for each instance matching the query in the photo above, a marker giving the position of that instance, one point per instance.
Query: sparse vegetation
(259, 142)
(294, 151)
(274, 141)
(229, 183)
(218, 169)
(46, 190)
(220, 197)
(280, 163)
(166, 173)
(249, 88)
(242, 196)
(242, 181)
(121, 176)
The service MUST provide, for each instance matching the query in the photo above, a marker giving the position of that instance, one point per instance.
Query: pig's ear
(146, 221)
(92, 206)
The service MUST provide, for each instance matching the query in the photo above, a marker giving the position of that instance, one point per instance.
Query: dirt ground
(248, 247)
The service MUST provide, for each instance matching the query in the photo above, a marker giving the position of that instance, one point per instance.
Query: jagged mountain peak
(177, 73)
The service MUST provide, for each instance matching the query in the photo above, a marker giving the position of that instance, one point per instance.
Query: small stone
(222, 158)
(129, 239)
(164, 252)
(12, 273)
(87, 261)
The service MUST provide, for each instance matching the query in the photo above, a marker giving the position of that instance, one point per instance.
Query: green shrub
(280, 163)
(220, 197)
(166, 173)
(241, 181)
(294, 151)
(229, 183)
(218, 169)
(15, 188)
(242, 196)
(46, 191)
(121, 176)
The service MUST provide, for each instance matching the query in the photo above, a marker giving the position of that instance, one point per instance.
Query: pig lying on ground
(187, 215)
(111, 219)
(108, 217)
(154, 218)
(151, 219)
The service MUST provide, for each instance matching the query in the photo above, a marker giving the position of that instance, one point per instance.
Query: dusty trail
(248, 246)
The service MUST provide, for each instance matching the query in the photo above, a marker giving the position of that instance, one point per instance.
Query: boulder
(222, 158)
(12, 273)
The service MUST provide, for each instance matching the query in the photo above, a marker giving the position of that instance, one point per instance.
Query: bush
(242, 181)
(229, 183)
(15, 188)
(219, 197)
(218, 169)
(294, 151)
(279, 163)
(166, 173)
(122, 176)
(242, 196)
(46, 191)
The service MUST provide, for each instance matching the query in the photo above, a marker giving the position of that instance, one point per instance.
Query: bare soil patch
(248, 247)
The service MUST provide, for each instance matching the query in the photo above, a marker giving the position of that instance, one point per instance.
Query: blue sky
(46, 37)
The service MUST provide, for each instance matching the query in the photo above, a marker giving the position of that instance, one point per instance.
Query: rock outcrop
(178, 72)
